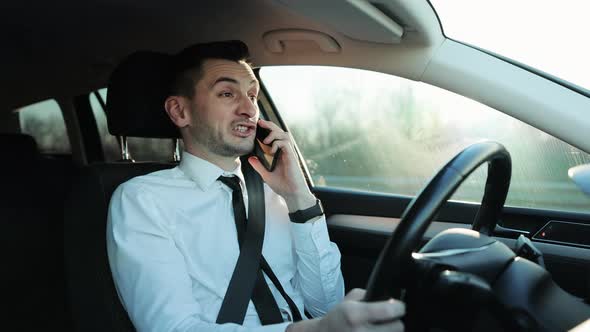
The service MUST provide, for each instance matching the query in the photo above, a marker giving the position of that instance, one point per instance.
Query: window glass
(45, 122)
(376, 132)
(109, 142)
(141, 149)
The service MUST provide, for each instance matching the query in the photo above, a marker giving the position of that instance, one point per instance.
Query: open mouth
(243, 129)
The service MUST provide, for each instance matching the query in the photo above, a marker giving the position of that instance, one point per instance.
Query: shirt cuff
(312, 236)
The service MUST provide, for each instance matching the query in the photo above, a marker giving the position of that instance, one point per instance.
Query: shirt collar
(205, 173)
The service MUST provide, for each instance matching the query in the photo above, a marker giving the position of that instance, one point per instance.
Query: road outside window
(376, 132)
(45, 122)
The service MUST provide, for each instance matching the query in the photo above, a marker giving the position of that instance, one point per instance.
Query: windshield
(551, 36)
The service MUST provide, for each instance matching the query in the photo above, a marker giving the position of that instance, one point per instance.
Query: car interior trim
(564, 232)
(276, 40)
(385, 226)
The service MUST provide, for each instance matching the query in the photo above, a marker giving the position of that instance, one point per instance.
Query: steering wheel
(396, 257)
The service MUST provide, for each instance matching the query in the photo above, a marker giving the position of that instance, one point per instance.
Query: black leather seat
(31, 210)
(135, 102)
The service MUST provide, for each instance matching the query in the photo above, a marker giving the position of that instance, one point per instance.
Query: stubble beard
(215, 143)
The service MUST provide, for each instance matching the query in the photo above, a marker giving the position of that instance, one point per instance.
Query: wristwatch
(301, 216)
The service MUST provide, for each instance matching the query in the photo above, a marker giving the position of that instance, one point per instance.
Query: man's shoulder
(144, 195)
(155, 181)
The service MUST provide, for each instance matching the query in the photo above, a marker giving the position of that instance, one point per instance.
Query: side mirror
(581, 176)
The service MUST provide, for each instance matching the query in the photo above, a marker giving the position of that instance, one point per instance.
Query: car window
(141, 149)
(45, 122)
(370, 131)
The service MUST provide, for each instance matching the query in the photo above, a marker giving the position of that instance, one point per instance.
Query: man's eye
(254, 98)
(226, 94)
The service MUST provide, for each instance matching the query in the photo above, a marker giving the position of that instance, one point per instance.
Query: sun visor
(358, 19)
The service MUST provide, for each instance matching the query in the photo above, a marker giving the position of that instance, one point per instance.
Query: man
(171, 237)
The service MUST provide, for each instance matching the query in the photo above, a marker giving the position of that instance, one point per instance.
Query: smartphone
(262, 151)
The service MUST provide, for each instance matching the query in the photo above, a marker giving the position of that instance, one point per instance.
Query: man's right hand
(354, 315)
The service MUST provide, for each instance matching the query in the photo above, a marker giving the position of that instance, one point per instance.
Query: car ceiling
(60, 49)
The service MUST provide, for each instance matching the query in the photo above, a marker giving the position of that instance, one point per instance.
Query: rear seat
(31, 236)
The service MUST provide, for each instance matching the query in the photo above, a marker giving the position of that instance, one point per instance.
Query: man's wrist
(311, 213)
(300, 202)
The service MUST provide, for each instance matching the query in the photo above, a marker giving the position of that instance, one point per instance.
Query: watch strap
(301, 216)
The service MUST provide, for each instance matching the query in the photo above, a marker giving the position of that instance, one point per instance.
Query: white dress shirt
(172, 248)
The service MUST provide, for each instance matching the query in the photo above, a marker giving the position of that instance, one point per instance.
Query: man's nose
(248, 107)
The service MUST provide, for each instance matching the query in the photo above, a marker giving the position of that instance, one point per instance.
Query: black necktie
(265, 304)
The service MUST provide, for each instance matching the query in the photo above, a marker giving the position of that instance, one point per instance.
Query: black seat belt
(250, 261)
(271, 275)
(256, 199)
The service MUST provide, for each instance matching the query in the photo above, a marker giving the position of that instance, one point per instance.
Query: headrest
(19, 147)
(135, 97)
(138, 87)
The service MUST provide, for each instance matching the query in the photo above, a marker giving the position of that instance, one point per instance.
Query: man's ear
(176, 107)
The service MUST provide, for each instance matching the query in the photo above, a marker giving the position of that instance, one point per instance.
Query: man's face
(224, 109)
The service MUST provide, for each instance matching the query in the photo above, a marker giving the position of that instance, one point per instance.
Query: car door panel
(360, 223)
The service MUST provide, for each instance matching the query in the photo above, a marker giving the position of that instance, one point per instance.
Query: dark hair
(187, 64)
